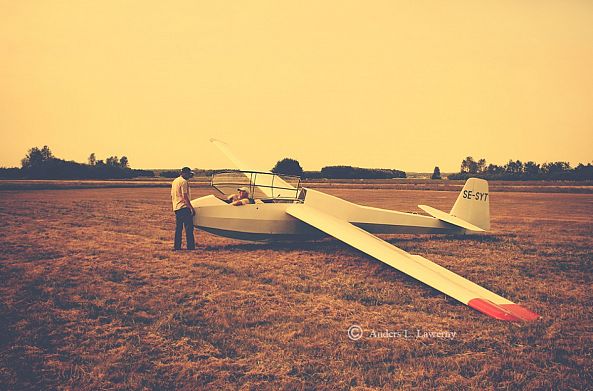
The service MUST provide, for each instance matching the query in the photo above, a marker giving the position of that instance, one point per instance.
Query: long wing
(268, 183)
(415, 266)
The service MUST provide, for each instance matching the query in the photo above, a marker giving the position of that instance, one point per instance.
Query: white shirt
(179, 188)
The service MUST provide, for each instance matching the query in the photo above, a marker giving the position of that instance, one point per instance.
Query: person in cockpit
(241, 198)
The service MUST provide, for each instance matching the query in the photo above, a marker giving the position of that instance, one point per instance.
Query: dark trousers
(184, 218)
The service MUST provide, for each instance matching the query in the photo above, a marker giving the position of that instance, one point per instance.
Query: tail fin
(473, 203)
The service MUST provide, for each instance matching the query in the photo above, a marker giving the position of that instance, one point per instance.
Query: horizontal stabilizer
(446, 217)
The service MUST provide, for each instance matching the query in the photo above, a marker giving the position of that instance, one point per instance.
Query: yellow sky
(392, 84)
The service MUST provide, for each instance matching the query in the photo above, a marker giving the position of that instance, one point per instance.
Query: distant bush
(208, 172)
(436, 174)
(10, 173)
(311, 174)
(170, 174)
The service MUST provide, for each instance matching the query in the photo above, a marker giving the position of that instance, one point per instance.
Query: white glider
(283, 210)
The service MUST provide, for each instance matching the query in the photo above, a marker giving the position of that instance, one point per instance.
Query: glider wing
(415, 266)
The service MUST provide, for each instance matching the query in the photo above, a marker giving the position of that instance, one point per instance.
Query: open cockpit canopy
(261, 185)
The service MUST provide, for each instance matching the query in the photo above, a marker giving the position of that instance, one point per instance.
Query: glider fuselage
(269, 220)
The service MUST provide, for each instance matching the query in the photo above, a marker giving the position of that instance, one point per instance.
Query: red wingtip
(521, 312)
(508, 312)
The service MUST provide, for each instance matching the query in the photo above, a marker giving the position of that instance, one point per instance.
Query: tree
(584, 172)
(123, 162)
(288, 166)
(514, 167)
(556, 170)
(32, 158)
(112, 161)
(481, 165)
(46, 153)
(92, 159)
(531, 169)
(469, 165)
(37, 157)
(436, 173)
(494, 169)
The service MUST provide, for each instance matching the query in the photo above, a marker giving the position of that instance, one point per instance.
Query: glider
(282, 209)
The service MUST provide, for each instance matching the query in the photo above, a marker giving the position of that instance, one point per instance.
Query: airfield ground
(91, 297)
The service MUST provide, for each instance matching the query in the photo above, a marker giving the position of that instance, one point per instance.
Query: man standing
(184, 212)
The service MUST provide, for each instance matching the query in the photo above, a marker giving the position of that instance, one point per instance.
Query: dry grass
(92, 298)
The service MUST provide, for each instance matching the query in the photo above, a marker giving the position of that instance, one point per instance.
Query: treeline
(349, 172)
(290, 166)
(517, 170)
(40, 163)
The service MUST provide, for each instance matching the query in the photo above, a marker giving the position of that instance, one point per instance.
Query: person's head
(186, 173)
(243, 192)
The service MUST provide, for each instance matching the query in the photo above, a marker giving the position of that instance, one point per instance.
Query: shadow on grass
(327, 244)
(331, 244)
(483, 238)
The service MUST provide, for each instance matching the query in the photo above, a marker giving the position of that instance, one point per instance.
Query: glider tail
(473, 203)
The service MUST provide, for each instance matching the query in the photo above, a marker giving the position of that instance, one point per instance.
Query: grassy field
(92, 298)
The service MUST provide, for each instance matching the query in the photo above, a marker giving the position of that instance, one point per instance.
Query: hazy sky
(390, 84)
